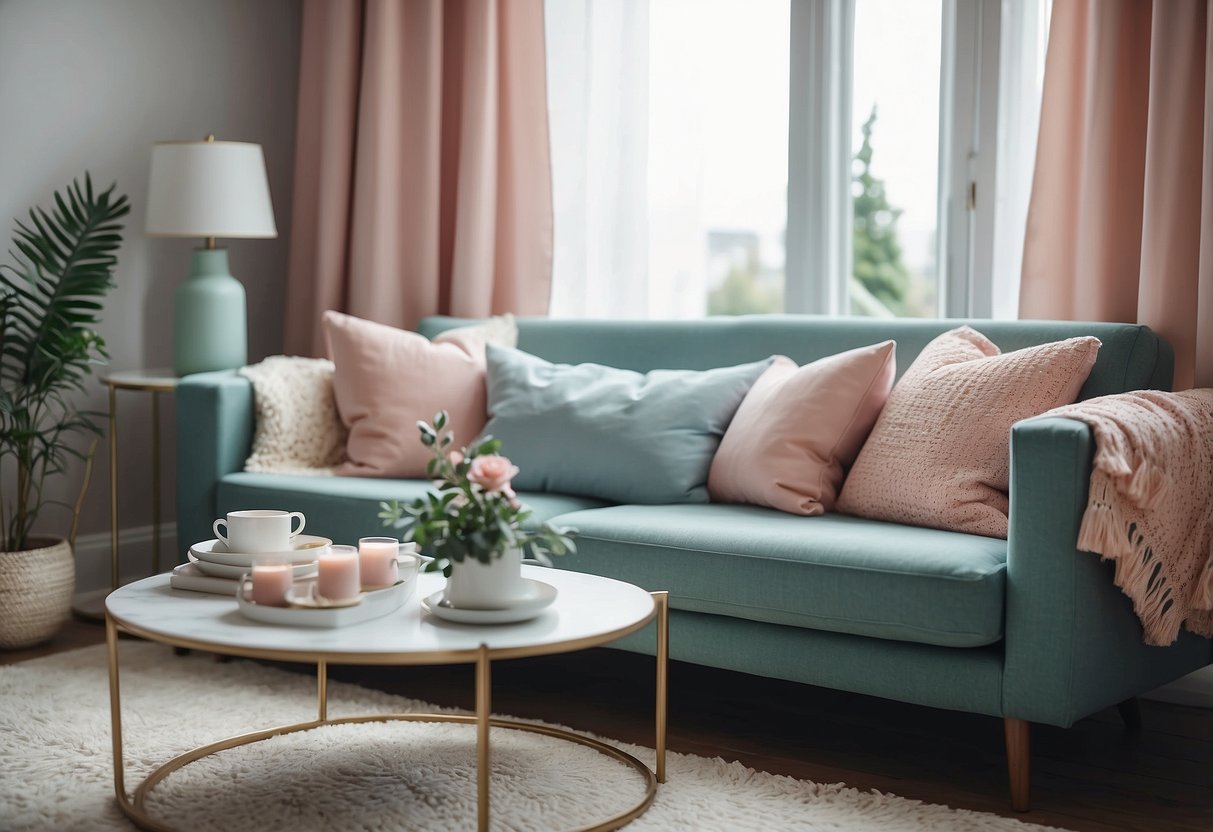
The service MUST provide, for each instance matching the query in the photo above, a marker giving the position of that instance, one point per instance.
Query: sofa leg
(1019, 759)
(1130, 714)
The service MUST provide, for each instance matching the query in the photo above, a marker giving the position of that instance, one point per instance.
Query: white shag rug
(55, 763)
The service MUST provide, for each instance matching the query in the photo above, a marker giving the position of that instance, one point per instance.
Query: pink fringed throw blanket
(1151, 503)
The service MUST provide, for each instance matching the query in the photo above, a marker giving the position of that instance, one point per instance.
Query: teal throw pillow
(613, 434)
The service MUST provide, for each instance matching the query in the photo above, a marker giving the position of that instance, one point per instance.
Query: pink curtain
(422, 178)
(1120, 225)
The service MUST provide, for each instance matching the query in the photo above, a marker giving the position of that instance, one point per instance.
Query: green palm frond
(50, 300)
(65, 261)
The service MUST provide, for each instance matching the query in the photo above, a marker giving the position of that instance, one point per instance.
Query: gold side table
(91, 605)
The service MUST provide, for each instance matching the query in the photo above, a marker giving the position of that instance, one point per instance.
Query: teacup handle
(219, 534)
(408, 550)
(302, 521)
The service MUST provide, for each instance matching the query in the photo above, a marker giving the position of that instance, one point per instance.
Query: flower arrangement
(474, 512)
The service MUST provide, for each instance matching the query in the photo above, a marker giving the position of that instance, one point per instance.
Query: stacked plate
(212, 557)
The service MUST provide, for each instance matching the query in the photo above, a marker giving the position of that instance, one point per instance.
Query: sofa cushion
(828, 572)
(347, 508)
(297, 428)
(613, 434)
(800, 428)
(939, 454)
(387, 379)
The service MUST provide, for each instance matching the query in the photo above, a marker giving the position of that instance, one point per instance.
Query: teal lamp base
(210, 330)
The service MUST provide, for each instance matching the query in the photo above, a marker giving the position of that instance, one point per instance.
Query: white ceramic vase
(495, 585)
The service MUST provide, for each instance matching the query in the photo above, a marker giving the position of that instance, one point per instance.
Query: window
(718, 164)
(867, 157)
(669, 125)
(895, 158)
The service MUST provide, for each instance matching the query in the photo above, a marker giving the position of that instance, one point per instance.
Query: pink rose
(493, 473)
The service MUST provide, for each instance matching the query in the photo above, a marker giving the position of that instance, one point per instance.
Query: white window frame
(819, 156)
(818, 266)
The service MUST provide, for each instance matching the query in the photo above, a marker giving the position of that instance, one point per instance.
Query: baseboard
(134, 556)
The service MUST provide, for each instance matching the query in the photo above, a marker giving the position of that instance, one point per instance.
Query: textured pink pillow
(939, 455)
(386, 379)
(799, 428)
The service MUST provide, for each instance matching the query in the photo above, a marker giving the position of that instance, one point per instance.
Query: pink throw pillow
(386, 379)
(800, 428)
(939, 454)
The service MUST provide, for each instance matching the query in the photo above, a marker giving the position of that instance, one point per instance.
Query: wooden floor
(1095, 776)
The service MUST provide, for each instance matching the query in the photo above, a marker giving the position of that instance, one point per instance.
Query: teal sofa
(1028, 629)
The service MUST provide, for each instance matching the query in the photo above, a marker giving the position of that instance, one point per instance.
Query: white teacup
(258, 530)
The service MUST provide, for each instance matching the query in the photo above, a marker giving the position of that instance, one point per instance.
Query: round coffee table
(589, 611)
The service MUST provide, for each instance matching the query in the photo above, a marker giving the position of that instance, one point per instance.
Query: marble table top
(588, 611)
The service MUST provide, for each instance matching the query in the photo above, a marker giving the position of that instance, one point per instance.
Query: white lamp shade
(209, 189)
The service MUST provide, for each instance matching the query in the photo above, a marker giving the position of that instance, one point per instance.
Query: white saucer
(222, 570)
(304, 548)
(539, 597)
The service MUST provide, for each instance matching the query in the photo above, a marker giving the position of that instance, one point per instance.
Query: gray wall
(92, 84)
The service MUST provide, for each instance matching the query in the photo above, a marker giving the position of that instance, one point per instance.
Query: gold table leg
(483, 688)
(155, 483)
(322, 690)
(111, 647)
(662, 601)
(113, 487)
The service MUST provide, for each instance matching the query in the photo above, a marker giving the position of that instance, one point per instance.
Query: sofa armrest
(1073, 642)
(214, 437)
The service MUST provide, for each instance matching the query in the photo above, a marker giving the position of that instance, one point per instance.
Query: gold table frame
(90, 606)
(133, 806)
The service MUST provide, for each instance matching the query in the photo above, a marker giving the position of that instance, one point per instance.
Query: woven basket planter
(36, 588)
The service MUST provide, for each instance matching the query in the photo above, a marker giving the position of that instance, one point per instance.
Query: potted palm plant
(50, 298)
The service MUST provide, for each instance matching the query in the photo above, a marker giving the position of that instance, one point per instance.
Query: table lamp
(209, 189)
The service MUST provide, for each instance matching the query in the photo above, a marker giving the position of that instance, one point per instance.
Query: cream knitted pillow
(297, 428)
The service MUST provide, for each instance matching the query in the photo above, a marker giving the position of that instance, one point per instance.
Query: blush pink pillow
(799, 429)
(939, 454)
(386, 379)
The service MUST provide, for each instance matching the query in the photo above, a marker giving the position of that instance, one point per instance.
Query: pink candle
(271, 583)
(377, 561)
(338, 577)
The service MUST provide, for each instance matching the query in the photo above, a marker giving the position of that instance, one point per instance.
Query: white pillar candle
(271, 582)
(338, 573)
(377, 561)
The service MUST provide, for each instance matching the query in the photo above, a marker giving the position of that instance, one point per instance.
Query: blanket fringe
(1148, 485)
(1202, 597)
(1141, 571)
(1158, 628)
(1102, 530)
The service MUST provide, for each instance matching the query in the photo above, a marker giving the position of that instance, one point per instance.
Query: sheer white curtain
(1024, 34)
(598, 106)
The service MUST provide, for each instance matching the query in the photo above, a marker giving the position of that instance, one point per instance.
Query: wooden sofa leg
(1019, 759)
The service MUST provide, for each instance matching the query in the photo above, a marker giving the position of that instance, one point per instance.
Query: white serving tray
(219, 570)
(375, 604)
